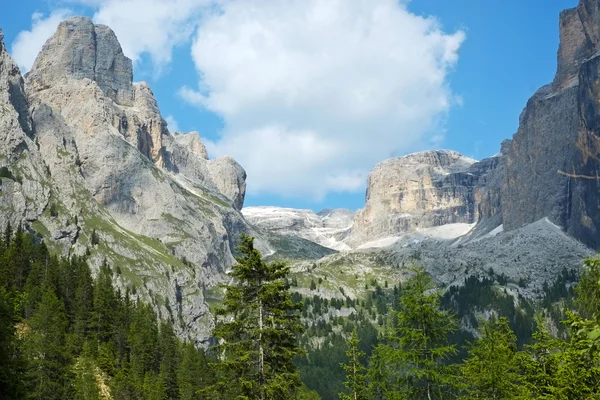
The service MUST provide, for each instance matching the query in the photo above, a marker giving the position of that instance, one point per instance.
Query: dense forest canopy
(66, 335)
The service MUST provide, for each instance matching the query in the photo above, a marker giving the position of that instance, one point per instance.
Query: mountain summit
(91, 167)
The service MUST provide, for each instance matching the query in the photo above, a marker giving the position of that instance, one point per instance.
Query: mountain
(90, 166)
(87, 164)
(547, 170)
(451, 207)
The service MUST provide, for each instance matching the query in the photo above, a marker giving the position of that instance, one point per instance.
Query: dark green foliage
(11, 362)
(492, 370)
(6, 173)
(61, 331)
(95, 239)
(194, 373)
(483, 294)
(258, 345)
(355, 372)
(413, 355)
(45, 347)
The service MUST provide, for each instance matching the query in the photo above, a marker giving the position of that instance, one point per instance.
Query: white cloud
(28, 44)
(172, 124)
(315, 92)
(152, 27)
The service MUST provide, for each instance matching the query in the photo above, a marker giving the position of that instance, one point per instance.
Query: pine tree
(588, 289)
(541, 362)
(85, 385)
(355, 371)
(169, 359)
(11, 362)
(45, 347)
(84, 299)
(578, 373)
(194, 373)
(491, 370)
(105, 304)
(143, 340)
(419, 345)
(258, 330)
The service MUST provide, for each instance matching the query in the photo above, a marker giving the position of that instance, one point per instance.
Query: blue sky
(307, 96)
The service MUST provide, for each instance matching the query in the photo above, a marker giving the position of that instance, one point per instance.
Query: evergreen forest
(65, 334)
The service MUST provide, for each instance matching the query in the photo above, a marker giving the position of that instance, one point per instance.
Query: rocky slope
(527, 257)
(89, 154)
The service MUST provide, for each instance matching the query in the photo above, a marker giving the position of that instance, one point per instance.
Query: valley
(91, 174)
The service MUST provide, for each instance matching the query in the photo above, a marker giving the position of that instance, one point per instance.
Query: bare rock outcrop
(419, 190)
(24, 181)
(230, 178)
(552, 161)
(79, 49)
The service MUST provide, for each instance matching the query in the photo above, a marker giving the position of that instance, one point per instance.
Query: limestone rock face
(87, 151)
(186, 155)
(79, 49)
(419, 190)
(230, 178)
(559, 132)
(579, 40)
(24, 187)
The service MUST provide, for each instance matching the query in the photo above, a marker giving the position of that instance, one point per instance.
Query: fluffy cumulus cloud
(150, 27)
(315, 92)
(28, 44)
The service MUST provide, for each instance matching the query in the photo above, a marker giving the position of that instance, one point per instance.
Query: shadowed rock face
(559, 130)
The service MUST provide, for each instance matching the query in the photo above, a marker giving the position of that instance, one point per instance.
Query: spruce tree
(355, 371)
(143, 340)
(413, 356)
(194, 373)
(169, 359)
(258, 330)
(45, 346)
(541, 362)
(11, 362)
(492, 369)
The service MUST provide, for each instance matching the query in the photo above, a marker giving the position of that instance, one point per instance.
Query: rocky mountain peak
(421, 190)
(80, 49)
(579, 40)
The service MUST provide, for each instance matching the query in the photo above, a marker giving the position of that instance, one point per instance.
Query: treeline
(413, 360)
(64, 335)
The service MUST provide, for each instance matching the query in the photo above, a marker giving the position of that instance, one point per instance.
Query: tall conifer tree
(258, 329)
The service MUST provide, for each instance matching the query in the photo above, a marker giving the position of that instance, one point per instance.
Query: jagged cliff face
(88, 151)
(424, 190)
(559, 130)
(24, 191)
